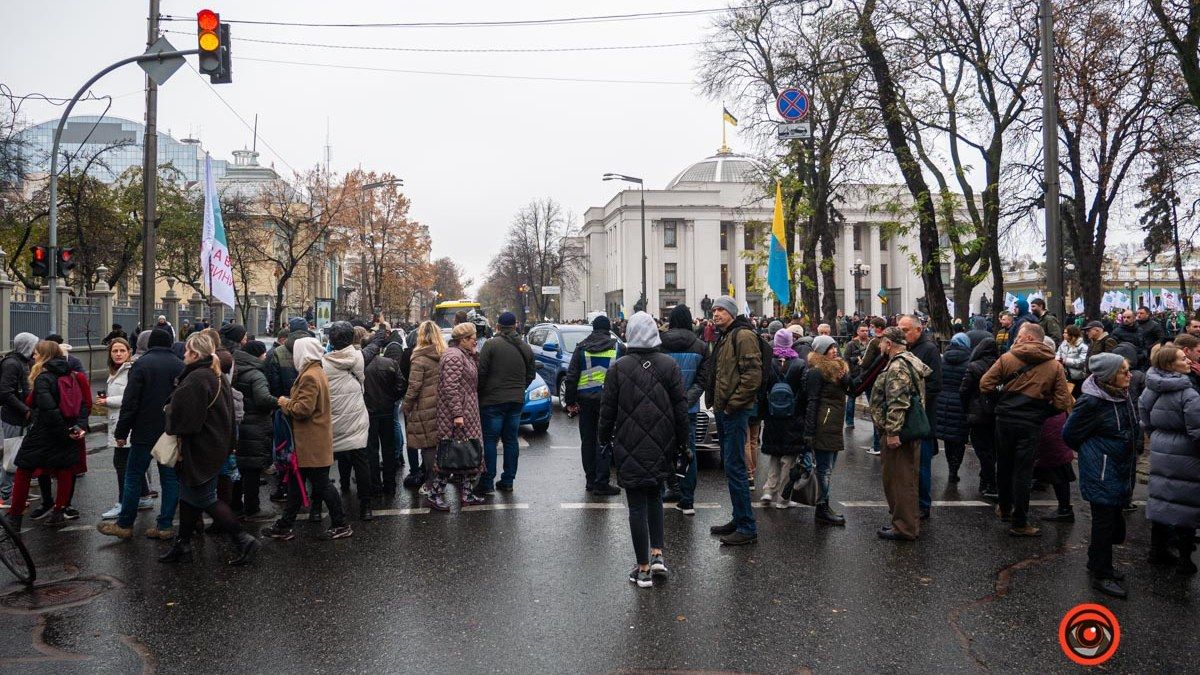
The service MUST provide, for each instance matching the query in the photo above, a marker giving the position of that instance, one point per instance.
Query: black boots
(364, 511)
(1109, 586)
(824, 514)
(246, 546)
(1061, 516)
(180, 551)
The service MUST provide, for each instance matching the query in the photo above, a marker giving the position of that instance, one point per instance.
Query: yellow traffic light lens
(209, 41)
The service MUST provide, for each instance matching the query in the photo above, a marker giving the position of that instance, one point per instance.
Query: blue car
(552, 345)
(536, 411)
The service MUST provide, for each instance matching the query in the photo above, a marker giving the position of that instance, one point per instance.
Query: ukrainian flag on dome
(777, 263)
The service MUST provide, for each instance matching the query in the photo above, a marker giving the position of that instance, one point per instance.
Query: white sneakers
(786, 505)
(766, 497)
(112, 513)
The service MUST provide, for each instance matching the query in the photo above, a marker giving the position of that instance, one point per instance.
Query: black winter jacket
(151, 381)
(643, 414)
(384, 385)
(597, 341)
(14, 389)
(256, 432)
(951, 422)
(1134, 336)
(825, 403)
(506, 368)
(48, 443)
(981, 360)
(785, 436)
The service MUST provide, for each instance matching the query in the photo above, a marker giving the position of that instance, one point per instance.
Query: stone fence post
(104, 299)
(196, 304)
(64, 310)
(171, 303)
(6, 294)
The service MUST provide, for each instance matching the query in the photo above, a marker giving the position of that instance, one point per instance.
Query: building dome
(723, 167)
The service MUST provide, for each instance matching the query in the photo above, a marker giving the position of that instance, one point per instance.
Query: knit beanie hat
(601, 323)
(641, 331)
(783, 338)
(774, 326)
(297, 323)
(24, 343)
(159, 338)
(233, 333)
(822, 343)
(1105, 365)
(961, 340)
(727, 303)
(680, 317)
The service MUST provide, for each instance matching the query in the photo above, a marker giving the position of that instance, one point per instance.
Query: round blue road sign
(792, 104)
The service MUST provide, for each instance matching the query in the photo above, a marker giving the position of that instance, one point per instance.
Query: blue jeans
(500, 423)
(850, 402)
(687, 484)
(928, 449)
(825, 461)
(733, 430)
(135, 469)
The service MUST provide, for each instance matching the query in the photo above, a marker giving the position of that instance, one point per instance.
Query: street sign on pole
(161, 70)
(792, 132)
(551, 290)
(792, 104)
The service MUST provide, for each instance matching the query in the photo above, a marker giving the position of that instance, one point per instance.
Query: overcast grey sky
(471, 150)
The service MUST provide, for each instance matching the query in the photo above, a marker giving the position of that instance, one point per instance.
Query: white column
(737, 266)
(847, 263)
(875, 279)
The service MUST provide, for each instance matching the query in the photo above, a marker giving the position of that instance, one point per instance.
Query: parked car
(552, 345)
(537, 410)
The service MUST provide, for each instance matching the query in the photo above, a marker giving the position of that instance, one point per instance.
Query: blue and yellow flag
(777, 264)
(728, 116)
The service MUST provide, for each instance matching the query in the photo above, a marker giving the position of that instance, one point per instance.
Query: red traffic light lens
(207, 19)
(65, 254)
(39, 253)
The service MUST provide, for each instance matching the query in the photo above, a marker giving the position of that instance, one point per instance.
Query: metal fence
(127, 316)
(30, 317)
(83, 322)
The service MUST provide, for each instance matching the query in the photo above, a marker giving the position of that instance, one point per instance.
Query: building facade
(704, 235)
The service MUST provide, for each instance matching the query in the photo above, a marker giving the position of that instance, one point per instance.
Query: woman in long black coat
(255, 433)
(981, 424)
(950, 424)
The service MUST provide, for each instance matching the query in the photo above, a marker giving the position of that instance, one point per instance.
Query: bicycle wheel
(14, 554)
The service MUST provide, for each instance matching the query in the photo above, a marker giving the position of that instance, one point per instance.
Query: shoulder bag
(916, 422)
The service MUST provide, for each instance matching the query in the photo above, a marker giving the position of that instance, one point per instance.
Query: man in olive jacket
(733, 392)
(505, 369)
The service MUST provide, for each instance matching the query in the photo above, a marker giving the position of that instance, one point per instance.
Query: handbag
(916, 422)
(459, 454)
(11, 447)
(802, 485)
(166, 448)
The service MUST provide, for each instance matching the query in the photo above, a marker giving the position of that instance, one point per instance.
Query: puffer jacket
(345, 372)
(826, 384)
(784, 437)
(48, 443)
(256, 431)
(643, 414)
(736, 375)
(458, 393)
(1103, 430)
(982, 358)
(385, 384)
(115, 393)
(1170, 413)
(691, 355)
(950, 423)
(421, 399)
(14, 388)
(1074, 359)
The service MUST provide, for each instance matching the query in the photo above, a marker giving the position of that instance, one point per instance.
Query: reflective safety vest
(595, 367)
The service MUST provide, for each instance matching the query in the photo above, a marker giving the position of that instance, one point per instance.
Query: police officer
(585, 384)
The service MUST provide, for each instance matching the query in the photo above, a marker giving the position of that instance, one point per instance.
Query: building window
(669, 235)
(749, 234)
(725, 227)
(858, 233)
(724, 279)
(670, 276)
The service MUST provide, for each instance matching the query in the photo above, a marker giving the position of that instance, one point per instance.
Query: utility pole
(150, 181)
(1055, 303)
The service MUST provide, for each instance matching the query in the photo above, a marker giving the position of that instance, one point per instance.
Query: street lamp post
(858, 272)
(642, 192)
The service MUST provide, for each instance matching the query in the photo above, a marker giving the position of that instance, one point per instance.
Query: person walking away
(256, 431)
(733, 391)
(1032, 387)
(1170, 413)
(120, 361)
(140, 424)
(853, 354)
(891, 399)
(783, 428)
(52, 445)
(584, 386)
(950, 425)
(1047, 320)
(14, 390)
(383, 389)
(420, 399)
(308, 407)
(200, 415)
(1103, 428)
(690, 352)
(1052, 466)
(1072, 353)
(643, 415)
(345, 373)
(981, 419)
(505, 369)
(920, 346)
(827, 383)
(458, 411)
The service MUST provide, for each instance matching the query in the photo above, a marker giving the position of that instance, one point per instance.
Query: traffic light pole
(149, 182)
(53, 252)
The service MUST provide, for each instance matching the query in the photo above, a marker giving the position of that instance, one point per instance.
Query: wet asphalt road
(538, 585)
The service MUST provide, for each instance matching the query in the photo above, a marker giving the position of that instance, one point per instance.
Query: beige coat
(309, 408)
(420, 401)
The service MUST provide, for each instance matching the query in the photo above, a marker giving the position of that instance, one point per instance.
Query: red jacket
(1052, 451)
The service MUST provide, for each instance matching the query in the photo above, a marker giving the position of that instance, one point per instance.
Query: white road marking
(401, 512)
(591, 505)
(495, 507)
(564, 447)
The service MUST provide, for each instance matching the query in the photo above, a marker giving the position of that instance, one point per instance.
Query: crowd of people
(225, 418)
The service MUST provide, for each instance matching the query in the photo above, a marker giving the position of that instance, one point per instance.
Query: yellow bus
(443, 312)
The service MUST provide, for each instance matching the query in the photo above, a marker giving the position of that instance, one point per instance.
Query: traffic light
(212, 37)
(39, 263)
(66, 262)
